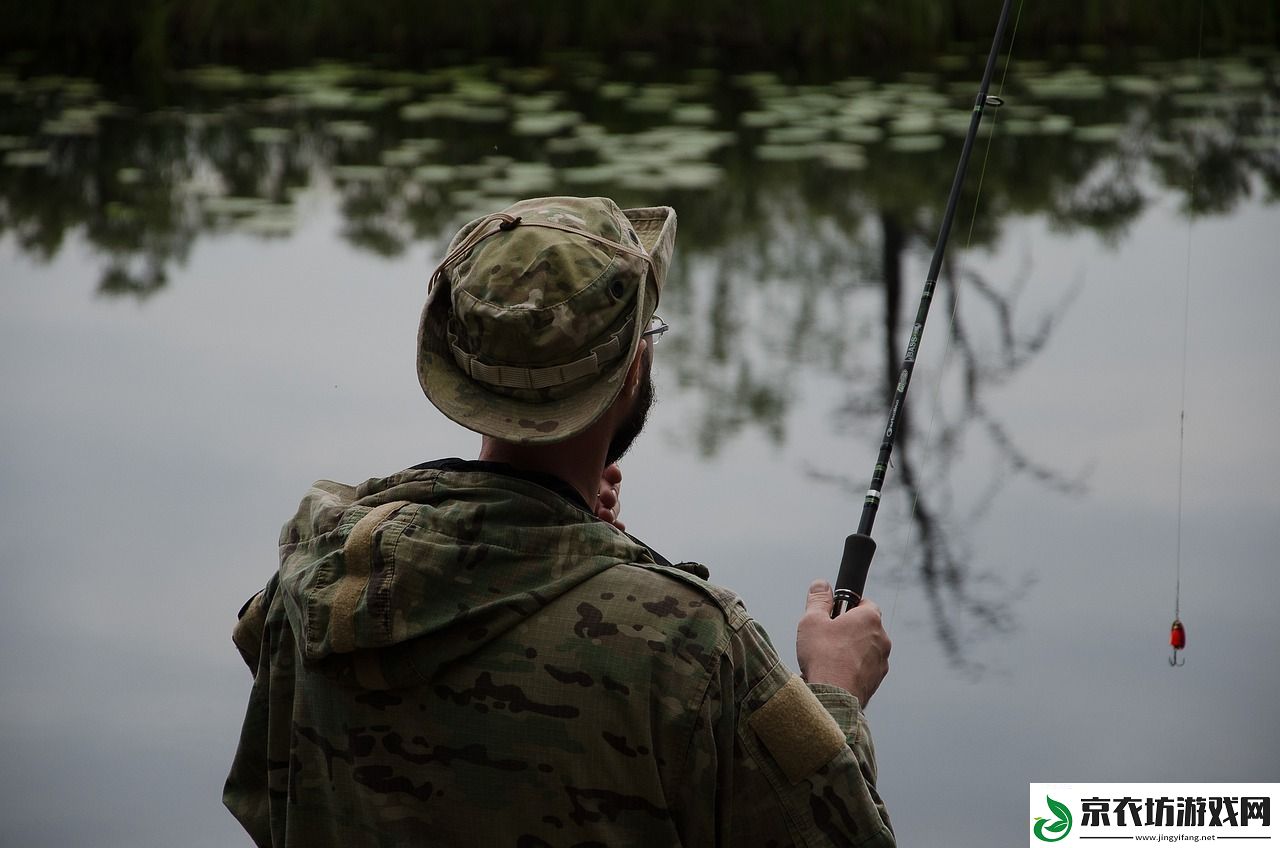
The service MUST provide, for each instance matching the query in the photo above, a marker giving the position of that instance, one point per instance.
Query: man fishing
(476, 653)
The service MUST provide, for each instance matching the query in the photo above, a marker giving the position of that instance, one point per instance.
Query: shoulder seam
(735, 613)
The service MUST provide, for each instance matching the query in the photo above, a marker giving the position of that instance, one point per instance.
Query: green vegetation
(149, 36)
(412, 153)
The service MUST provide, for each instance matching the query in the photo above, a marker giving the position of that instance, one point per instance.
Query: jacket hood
(386, 582)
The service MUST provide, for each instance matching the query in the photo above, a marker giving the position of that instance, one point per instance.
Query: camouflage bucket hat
(535, 313)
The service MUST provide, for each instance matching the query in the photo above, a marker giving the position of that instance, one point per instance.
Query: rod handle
(854, 565)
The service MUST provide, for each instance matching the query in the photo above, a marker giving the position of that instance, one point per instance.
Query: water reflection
(411, 153)
(802, 204)
(960, 600)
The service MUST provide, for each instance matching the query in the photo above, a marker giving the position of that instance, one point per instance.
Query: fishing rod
(859, 547)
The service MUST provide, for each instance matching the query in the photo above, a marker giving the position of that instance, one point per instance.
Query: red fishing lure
(1177, 640)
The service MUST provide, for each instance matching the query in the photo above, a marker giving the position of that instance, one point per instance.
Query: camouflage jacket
(462, 657)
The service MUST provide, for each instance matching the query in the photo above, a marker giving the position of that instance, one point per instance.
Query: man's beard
(635, 420)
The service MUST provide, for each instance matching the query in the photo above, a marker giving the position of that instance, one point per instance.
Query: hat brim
(510, 419)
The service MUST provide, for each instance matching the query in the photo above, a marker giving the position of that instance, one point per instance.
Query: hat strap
(507, 223)
(515, 377)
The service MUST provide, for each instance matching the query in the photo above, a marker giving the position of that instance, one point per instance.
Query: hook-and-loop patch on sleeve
(797, 730)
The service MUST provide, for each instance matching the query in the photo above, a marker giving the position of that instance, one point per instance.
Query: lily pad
(569, 145)
(1020, 126)
(1203, 124)
(272, 223)
(480, 91)
(1186, 82)
(435, 174)
(592, 175)
(916, 143)
(694, 113)
(523, 179)
(787, 152)
(401, 157)
(860, 133)
(550, 123)
(616, 90)
(865, 110)
(1056, 124)
(63, 126)
(474, 114)
(690, 175)
(540, 103)
(349, 130)
(760, 119)
(419, 111)
(358, 173)
(220, 78)
(755, 80)
(327, 97)
(843, 157)
(650, 105)
(1100, 133)
(957, 123)
(913, 122)
(27, 158)
(1165, 148)
(689, 142)
(1261, 143)
(269, 135)
(1196, 100)
(1071, 84)
(1137, 86)
(1238, 75)
(793, 135)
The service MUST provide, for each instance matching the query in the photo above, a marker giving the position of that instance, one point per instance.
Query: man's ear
(631, 384)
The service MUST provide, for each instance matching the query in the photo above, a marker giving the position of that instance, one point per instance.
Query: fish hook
(1173, 659)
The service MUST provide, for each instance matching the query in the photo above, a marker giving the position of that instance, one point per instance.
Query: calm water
(213, 302)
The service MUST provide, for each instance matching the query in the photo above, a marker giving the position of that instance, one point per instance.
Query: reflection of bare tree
(960, 598)
(1218, 157)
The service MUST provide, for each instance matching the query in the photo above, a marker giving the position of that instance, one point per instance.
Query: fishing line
(911, 530)
(1177, 636)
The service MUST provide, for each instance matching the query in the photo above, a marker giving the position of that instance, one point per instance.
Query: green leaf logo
(1061, 825)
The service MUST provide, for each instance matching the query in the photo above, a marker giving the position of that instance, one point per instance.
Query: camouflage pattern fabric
(456, 657)
(528, 295)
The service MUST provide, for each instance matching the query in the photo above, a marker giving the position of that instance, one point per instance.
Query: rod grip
(854, 565)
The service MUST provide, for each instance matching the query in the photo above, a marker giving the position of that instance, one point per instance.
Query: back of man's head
(536, 312)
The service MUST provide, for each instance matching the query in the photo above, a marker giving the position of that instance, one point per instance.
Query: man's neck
(578, 461)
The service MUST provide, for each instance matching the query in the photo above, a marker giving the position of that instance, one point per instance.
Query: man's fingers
(820, 598)
(869, 607)
(608, 501)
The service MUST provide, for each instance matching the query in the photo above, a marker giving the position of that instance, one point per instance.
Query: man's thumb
(820, 598)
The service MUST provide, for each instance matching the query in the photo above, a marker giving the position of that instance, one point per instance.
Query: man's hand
(608, 503)
(851, 651)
